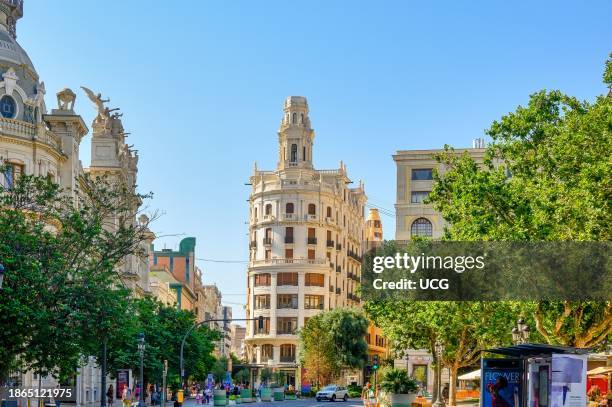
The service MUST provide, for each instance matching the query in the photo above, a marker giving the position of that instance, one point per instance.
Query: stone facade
(37, 142)
(414, 182)
(306, 228)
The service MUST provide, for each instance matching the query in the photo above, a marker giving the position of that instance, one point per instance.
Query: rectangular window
(287, 279)
(288, 253)
(284, 301)
(268, 254)
(266, 352)
(418, 197)
(262, 301)
(171, 263)
(315, 280)
(422, 174)
(313, 301)
(262, 280)
(286, 325)
(311, 254)
(265, 329)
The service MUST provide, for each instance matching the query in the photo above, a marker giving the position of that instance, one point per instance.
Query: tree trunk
(452, 386)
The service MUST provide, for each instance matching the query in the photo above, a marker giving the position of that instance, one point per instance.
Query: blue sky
(202, 85)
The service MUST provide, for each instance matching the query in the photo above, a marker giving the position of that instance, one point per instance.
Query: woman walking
(109, 395)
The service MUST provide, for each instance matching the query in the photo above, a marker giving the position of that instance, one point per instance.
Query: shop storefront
(534, 375)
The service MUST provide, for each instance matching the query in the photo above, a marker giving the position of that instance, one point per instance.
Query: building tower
(306, 227)
(373, 230)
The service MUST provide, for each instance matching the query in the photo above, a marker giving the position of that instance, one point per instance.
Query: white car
(332, 393)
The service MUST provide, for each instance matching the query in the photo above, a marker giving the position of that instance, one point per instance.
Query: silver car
(332, 393)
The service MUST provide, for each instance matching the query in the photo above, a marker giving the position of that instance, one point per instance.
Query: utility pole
(163, 395)
(103, 379)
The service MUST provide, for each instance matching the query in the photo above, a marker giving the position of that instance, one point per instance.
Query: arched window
(329, 212)
(294, 118)
(268, 209)
(293, 153)
(289, 207)
(312, 209)
(421, 227)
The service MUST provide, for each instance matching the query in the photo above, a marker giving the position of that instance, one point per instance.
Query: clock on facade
(7, 107)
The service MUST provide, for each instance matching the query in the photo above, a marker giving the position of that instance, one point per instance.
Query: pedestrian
(127, 397)
(207, 395)
(198, 397)
(109, 395)
(365, 394)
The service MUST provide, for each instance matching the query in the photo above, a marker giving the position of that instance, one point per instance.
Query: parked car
(332, 393)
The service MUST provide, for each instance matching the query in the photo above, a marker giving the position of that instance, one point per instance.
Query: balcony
(312, 240)
(338, 269)
(268, 217)
(338, 246)
(330, 243)
(287, 359)
(338, 291)
(331, 266)
(331, 288)
(253, 244)
(310, 217)
(282, 261)
(288, 239)
(289, 216)
(267, 241)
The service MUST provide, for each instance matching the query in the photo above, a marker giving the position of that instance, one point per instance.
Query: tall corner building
(306, 227)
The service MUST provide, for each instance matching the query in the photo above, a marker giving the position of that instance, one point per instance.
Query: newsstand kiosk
(534, 375)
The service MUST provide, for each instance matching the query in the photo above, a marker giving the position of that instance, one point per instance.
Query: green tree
(164, 328)
(55, 253)
(332, 340)
(464, 328)
(547, 176)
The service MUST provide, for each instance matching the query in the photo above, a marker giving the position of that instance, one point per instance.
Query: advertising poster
(123, 382)
(501, 383)
(568, 381)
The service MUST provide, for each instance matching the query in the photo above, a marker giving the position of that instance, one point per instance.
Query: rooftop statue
(103, 112)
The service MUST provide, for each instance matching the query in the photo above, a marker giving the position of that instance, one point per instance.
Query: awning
(601, 370)
(475, 375)
(534, 349)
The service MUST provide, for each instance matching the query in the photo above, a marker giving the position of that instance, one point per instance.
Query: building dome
(12, 53)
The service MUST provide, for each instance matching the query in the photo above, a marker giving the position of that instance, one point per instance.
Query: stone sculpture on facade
(65, 99)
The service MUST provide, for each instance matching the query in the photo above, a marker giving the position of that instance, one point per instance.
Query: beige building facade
(41, 142)
(306, 228)
(415, 169)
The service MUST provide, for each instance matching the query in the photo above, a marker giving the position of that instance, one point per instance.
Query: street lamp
(439, 349)
(520, 333)
(141, 348)
(1, 275)
(260, 325)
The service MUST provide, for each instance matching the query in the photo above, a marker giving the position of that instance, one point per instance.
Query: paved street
(287, 403)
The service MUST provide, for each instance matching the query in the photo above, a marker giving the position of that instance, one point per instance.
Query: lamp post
(1, 275)
(141, 348)
(520, 333)
(439, 349)
(260, 321)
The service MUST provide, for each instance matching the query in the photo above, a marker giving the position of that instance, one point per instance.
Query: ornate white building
(38, 142)
(306, 229)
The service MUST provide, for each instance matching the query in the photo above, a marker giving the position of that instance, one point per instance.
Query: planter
(246, 395)
(290, 397)
(402, 400)
(238, 400)
(219, 397)
(266, 394)
(279, 394)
